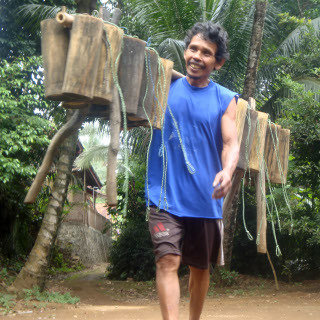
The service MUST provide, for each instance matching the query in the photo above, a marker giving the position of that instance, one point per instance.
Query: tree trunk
(255, 49)
(230, 204)
(86, 6)
(35, 270)
(230, 207)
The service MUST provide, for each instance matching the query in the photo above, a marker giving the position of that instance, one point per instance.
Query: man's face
(200, 61)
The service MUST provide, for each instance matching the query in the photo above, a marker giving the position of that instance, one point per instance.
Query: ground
(251, 298)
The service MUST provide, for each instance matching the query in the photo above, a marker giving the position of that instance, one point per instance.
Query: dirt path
(251, 299)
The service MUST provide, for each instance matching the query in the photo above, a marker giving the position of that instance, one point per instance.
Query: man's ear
(218, 64)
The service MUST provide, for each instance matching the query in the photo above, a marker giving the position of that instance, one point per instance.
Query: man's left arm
(230, 152)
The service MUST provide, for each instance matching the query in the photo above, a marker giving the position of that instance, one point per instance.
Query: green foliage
(47, 296)
(226, 278)
(26, 123)
(131, 254)
(301, 115)
(62, 261)
(7, 301)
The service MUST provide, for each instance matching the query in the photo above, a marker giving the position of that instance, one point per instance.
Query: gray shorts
(196, 240)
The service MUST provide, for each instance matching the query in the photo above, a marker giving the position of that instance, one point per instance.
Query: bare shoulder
(231, 109)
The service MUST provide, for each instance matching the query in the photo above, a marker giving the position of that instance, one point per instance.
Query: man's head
(211, 32)
(206, 50)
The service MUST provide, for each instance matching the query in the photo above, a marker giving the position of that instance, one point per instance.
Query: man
(190, 168)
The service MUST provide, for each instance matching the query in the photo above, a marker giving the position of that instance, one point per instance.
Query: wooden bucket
(247, 120)
(257, 148)
(162, 92)
(54, 47)
(83, 58)
(130, 71)
(241, 114)
(277, 148)
(148, 84)
(103, 90)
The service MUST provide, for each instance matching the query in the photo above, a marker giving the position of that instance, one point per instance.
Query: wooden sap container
(54, 47)
(103, 90)
(148, 84)
(161, 92)
(130, 71)
(257, 149)
(277, 149)
(246, 120)
(83, 58)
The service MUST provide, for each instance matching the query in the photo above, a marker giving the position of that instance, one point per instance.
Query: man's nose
(196, 56)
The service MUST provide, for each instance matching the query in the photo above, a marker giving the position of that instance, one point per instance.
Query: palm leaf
(292, 43)
(273, 106)
(93, 153)
(32, 14)
(173, 50)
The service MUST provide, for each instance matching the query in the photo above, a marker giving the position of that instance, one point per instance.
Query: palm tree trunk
(255, 49)
(35, 270)
(230, 207)
(86, 6)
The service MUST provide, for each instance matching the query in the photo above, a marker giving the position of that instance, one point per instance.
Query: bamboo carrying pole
(257, 163)
(65, 19)
(115, 121)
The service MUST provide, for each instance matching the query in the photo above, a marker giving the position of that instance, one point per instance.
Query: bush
(131, 255)
(63, 262)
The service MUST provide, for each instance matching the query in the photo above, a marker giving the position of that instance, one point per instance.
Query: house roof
(92, 178)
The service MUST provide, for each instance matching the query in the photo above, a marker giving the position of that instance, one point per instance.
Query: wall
(83, 228)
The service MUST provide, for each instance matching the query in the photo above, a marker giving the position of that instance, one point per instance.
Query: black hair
(213, 32)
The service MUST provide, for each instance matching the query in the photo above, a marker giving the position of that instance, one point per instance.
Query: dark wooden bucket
(257, 148)
(54, 47)
(130, 71)
(277, 148)
(148, 87)
(104, 84)
(162, 92)
(83, 58)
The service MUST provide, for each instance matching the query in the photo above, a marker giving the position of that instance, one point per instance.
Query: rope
(248, 115)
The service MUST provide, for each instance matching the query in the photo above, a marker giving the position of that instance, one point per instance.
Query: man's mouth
(195, 66)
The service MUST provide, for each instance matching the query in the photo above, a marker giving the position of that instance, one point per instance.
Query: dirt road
(251, 299)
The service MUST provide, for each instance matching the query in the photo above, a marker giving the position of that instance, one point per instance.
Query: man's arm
(230, 152)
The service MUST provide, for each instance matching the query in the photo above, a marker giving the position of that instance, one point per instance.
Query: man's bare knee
(168, 263)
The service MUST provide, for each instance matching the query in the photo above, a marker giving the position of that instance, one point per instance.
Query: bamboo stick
(72, 125)
(65, 19)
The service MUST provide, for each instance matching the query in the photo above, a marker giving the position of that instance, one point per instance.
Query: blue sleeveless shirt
(185, 158)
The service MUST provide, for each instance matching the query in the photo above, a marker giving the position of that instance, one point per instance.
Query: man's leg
(168, 286)
(198, 288)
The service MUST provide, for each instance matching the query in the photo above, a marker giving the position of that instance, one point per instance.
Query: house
(84, 230)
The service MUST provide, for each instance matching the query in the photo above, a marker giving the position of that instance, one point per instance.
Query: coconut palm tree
(35, 270)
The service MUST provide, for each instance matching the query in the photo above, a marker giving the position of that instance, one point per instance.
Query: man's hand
(221, 184)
